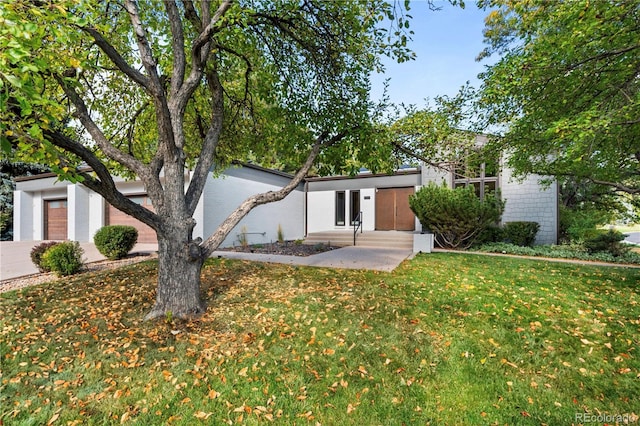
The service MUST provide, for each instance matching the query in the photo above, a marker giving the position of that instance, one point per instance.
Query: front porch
(384, 239)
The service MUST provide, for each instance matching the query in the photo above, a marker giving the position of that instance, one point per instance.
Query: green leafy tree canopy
(566, 88)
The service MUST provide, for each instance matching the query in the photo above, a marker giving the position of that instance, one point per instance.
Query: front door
(393, 211)
(55, 220)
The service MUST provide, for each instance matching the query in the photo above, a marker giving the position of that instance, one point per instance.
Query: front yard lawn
(445, 339)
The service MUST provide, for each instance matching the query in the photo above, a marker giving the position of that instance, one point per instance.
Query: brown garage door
(55, 220)
(146, 234)
(393, 211)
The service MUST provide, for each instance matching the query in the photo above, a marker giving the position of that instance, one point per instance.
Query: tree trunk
(179, 267)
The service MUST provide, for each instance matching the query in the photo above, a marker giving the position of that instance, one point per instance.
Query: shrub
(115, 241)
(38, 251)
(520, 233)
(492, 234)
(574, 251)
(64, 258)
(455, 216)
(608, 242)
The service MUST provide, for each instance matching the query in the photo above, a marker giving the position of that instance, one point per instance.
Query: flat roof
(412, 171)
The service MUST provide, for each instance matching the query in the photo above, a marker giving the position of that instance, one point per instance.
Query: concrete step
(390, 239)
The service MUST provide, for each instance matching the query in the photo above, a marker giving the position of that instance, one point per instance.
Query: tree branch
(445, 166)
(83, 115)
(207, 153)
(104, 185)
(146, 54)
(177, 42)
(200, 51)
(117, 59)
(618, 186)
(192, 15)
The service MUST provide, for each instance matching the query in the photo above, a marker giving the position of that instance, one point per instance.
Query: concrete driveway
(15, 259)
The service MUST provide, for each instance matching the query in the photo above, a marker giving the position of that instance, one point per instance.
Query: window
(479, 170)
(340, 208)
(354, 206)
(62, 204)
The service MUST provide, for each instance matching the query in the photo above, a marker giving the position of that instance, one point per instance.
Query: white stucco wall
(321, 211)
(96, 213)
(78, 213)
(223, 195)
(529, 201)
(321, 206)
(22, 216)
(432, 174)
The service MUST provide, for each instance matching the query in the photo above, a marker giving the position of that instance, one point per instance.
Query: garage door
(393, 211)
(55, 220)
(146, 234)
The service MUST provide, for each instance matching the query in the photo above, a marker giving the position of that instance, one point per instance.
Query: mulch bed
(287, 248)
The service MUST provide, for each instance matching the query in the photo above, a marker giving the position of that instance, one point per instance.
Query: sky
(446, 43)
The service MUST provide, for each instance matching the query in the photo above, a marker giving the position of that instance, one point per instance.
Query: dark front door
(55, 220)
(393, 211)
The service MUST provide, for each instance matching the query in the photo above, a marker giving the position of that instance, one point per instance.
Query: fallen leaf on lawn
(202, 415)
(53, 418)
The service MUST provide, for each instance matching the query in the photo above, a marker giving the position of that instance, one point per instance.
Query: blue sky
(446, 43)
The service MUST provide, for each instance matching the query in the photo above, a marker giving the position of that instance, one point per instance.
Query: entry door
(393, 211)
(55, 220)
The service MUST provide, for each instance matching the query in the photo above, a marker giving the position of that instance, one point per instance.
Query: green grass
(445, 339)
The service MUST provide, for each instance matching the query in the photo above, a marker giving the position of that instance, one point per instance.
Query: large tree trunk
(179, 266)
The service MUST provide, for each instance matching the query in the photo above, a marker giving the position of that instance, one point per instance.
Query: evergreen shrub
(520, 233)
(455, 216)
(115, 241)
(64, 258)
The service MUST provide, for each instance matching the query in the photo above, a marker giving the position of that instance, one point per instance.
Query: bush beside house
(115, 241)
(38, 252)
(63, 258)
(455, 216)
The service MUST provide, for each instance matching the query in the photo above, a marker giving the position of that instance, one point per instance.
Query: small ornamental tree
(455, 216)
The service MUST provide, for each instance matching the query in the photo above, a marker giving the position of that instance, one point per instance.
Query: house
(333, 203)
(48, 209)
(45, 208)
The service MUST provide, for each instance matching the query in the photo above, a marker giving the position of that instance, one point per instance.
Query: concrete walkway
(377, 259)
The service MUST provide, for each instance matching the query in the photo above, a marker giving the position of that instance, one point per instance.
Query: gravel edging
(35, 279)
